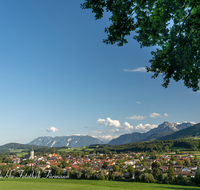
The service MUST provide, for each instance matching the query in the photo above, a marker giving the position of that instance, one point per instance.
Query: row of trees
(167, 177)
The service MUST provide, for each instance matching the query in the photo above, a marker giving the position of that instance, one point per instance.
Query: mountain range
(68, 141)
(184, 133)
(164, 129)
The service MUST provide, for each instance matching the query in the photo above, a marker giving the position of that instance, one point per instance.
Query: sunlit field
(63, 184)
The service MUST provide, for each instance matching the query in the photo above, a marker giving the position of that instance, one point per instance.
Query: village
(103, 166)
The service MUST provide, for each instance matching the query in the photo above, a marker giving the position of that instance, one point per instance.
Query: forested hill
(19, 146)
(160, 146)
(157, 135)
(184, 133)
(6, 147)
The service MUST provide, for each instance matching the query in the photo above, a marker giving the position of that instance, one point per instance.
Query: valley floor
(64, 184)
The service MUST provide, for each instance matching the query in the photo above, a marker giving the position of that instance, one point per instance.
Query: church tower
(32, 154)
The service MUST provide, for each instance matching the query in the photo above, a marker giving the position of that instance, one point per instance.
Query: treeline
(19, 146)
(39, 150)
(158, 146)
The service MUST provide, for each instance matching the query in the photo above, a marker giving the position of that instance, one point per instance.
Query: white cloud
(166, 115)
(189, 122)
(108, 137)
(43, 133)
(139, 69)
(42, 129)
(114, 130)
(78, 135)
(52, 129)
(155, 115)
(196, 91)
(128, 127)
(138, 102)
(136, 117)
(109, 122)
(145, 128)
(139, 128)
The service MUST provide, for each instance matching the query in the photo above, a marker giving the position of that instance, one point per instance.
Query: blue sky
(58, 78)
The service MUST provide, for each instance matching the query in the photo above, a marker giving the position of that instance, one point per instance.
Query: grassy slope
(63, 184)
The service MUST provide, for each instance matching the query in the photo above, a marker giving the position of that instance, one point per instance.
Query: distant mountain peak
(69, 141)
(164, 128)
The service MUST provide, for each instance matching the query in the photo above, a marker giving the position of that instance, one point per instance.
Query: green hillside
(158, 145)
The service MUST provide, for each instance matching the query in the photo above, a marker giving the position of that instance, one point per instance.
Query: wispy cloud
(196, 91)
(114, 130)
(155, 115)
(52, 129)
(136, 117)
(99, 132)
(139, 69)
(166, 115)
(138, 102)
(109, 122)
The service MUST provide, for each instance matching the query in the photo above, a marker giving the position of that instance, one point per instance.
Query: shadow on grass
(179, 187)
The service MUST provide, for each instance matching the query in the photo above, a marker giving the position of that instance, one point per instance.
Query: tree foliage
(178, 46)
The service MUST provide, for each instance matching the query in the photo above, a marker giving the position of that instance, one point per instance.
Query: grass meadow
(78, 149)
(64, 184)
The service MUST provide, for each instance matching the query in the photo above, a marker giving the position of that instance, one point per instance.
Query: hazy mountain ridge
(68, 141)
(127, 138)
(156, 133)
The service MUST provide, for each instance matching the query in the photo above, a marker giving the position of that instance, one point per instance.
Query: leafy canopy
(178, 54)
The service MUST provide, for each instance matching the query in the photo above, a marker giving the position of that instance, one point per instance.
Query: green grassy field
(76, 149)
(19, 152)
(22, 154)
(63, 184)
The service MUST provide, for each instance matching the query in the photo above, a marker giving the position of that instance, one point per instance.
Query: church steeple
(32, 153)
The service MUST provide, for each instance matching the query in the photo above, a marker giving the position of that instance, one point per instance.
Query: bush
(147, 178)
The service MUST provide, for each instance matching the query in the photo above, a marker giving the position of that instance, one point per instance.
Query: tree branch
(187, 17)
